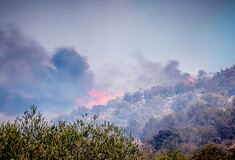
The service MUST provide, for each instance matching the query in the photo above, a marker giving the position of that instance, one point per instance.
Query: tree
(32, 137)
(210, 151)
(167, 139)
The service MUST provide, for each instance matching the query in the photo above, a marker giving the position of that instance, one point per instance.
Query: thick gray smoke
(20, 59)
(61, 82)
(153, 73)
(29, 76)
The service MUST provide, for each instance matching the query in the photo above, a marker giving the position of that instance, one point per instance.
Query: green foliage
(210, 151)
(200, 125)
(166, 139)
(32, 137)
(171, 155)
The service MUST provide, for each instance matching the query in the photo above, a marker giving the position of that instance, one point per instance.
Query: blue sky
(117, 38)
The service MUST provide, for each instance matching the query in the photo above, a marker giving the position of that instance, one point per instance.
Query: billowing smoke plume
(64, 81)
(142, 74)
(152, 73)
(29, 76)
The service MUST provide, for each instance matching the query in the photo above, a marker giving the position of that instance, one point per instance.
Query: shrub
(32, 137)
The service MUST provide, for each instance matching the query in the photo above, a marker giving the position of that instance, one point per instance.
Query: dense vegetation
(202, 119)
(159, 101)
(174, 122)
(31, 137)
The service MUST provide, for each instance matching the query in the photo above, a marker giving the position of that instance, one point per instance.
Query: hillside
(201, 110)
(155, 103)
(193, 119)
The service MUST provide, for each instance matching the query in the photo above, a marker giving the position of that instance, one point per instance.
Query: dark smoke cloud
(201, 74)
(20, 58)
(29, 76)
(154, 73)
(171, 70)
(70, 64)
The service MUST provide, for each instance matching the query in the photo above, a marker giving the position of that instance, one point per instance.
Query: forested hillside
(146, 104)
(197, 112)
(193, 119)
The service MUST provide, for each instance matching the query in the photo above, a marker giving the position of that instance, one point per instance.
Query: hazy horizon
(63, 54)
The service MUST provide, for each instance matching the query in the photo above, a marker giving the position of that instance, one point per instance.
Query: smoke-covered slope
(137, 110)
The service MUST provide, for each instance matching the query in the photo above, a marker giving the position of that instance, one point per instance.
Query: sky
(60, 54)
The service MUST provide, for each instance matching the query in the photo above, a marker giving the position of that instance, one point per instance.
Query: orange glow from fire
(190, 79)
(97, 97)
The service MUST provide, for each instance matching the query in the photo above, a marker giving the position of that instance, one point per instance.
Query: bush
(210, 151)
(32, 137)
(171, 155)
(167, 139)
